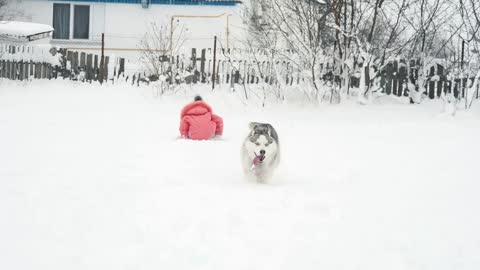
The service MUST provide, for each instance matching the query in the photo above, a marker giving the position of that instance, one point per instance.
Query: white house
(80, 24)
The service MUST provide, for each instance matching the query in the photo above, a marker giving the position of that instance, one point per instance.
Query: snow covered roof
(25, 31)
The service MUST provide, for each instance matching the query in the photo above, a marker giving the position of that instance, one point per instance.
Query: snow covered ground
(94, 178)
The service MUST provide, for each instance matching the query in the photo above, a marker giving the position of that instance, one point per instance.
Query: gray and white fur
(261, 140)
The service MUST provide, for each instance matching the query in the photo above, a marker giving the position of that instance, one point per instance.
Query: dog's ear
(252, 126)
(270, 128)
(272, 132)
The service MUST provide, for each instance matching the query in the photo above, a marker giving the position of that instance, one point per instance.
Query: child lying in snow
(197, 122)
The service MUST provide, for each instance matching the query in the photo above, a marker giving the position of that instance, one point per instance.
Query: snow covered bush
(358, 39)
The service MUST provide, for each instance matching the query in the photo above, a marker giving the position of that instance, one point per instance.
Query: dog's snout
(262, 152)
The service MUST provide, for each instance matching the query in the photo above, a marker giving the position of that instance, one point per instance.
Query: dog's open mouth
(258, 160)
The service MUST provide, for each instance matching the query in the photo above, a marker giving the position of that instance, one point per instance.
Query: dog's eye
(257, 143)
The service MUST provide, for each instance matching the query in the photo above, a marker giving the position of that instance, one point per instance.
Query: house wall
(124, 25)
(198, 31)
(40, 11)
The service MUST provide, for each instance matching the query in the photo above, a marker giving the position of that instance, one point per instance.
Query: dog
(260, 153)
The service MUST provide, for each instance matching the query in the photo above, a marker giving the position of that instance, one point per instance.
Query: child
(197, 122)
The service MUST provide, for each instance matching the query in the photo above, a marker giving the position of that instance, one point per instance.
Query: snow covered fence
(192, 66)
(196, 65)
(233, 66)
(21, 62)
(81, 66)
(399, 77)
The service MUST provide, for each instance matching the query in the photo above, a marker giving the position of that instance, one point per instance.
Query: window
(66, 26)
(61, 21)
(81, 21)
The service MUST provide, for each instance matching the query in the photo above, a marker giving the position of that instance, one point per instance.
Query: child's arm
(219, 122)
(184, 126)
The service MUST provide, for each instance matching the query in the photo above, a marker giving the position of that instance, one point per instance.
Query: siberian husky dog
(260, 153)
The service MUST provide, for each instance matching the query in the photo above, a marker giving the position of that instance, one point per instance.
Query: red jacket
(197, 122)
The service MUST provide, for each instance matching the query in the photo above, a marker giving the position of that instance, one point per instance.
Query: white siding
(97, 19)
(133, 20)
(125, 24)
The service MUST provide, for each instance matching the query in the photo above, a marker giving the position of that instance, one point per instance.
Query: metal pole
(228, 31)
(464, 88)
(171, 37)
(214, 61)
(102, 61)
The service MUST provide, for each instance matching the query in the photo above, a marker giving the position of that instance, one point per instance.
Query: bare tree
(158, 45)
(427, 18)
(3, 13)
(293, 30)
(3, 9)
(8, 11)
(359, 38)
(376, 29)
(467, 46)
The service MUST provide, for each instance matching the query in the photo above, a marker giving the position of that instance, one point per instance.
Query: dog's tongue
(258, 159)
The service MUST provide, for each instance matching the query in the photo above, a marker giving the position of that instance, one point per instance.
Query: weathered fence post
(102, 60)
(121, 68)
(389, 75)
(214, 61)
(395, 78)
(202, 66)
(89, 68)
(441, 80)
(431, 83)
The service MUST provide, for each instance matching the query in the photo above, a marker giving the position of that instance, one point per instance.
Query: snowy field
(95, 178)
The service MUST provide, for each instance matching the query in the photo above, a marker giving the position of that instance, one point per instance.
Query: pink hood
(196, 108)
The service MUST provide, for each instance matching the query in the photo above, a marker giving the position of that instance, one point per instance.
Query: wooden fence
(397, 76)
(30, 62)
(21, 68)
(232, 67)
(83, 66)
